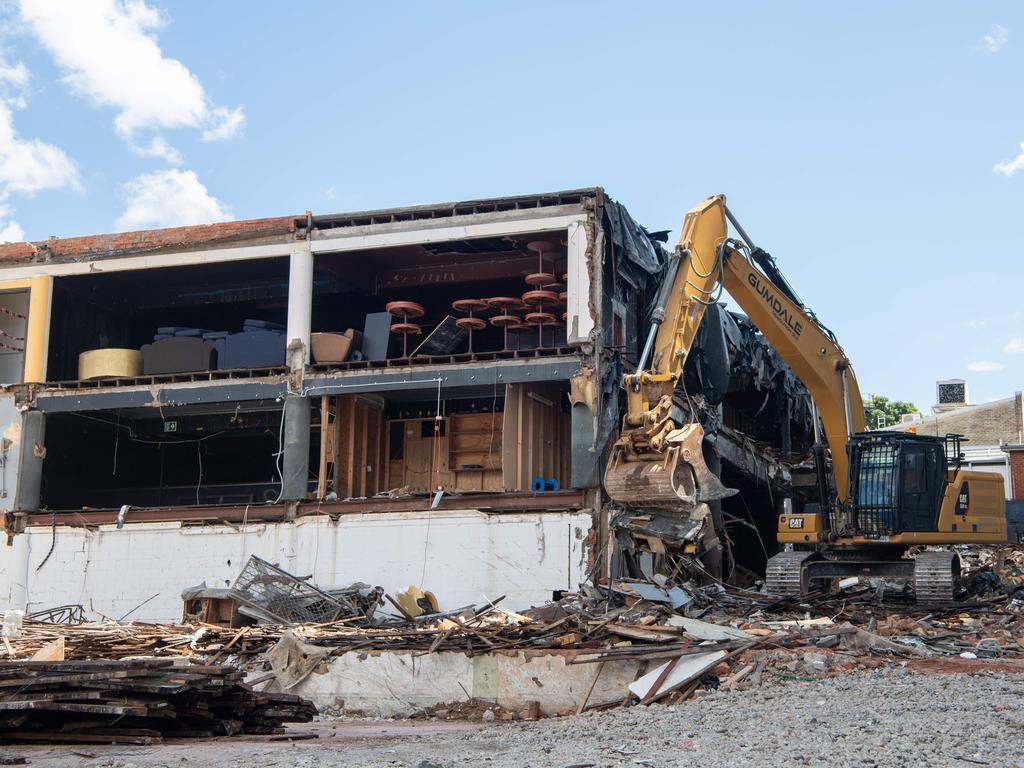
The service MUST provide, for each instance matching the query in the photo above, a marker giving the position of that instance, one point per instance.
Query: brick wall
(998, 423)
(1017, 473)
(147, 240)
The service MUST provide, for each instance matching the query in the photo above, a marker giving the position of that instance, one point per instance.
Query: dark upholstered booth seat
(178, 354)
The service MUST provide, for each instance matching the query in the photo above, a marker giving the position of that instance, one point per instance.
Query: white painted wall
(578, 319)
(461, 556)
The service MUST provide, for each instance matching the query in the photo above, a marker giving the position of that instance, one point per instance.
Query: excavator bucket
(679, 478)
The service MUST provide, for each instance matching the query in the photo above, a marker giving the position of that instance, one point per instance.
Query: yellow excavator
(879, 495)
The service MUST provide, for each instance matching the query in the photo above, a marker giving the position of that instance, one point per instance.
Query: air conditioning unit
(950, 394)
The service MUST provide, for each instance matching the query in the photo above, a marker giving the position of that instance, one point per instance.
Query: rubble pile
(682, 636)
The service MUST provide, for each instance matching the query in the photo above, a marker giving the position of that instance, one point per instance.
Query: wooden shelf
(475, 438)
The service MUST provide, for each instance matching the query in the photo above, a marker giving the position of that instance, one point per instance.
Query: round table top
(563, 296)
(405, 308)
(473, 323)
(506, 320)
(410, 328)
(540, 298)
(469, 305)
(540, 318)
(540, 279)
(505, 303)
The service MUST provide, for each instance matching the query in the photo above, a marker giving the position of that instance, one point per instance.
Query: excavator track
(936, 577)
(784, 574)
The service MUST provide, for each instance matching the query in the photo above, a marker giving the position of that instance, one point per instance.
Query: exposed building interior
(205, 343)
(446, 365)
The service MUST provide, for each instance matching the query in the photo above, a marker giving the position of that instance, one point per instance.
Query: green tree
(880, 411)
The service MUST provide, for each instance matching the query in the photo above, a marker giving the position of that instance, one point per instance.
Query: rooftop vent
(950, 394)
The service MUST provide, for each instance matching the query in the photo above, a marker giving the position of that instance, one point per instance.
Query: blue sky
(869, 146)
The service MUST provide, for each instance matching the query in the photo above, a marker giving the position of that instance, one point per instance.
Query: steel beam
(516, 501)
(160, 395)
(432, 376)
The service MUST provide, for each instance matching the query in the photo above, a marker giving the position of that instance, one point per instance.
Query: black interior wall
(124, 309)
(750, 522)
(106, 459)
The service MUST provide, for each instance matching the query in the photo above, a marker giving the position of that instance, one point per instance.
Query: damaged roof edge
(462, 208)
(146, 241)
(276, 229)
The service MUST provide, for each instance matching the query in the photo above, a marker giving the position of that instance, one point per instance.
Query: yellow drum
(109, 363)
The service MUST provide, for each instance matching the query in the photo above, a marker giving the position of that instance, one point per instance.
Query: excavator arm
(658, 459)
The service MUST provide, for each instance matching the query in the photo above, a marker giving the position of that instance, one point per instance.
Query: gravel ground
(882, 718)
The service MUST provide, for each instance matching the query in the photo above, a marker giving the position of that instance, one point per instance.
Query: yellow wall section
(37, 329)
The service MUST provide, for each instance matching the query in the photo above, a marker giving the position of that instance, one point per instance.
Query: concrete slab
(399, 683)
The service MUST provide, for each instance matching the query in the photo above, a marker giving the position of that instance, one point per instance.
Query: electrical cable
(494, 405)
(199, 457)
(53, 539)
(279, 454)
(117, 441)
(134, 439)
(753, 524)
(437, 441)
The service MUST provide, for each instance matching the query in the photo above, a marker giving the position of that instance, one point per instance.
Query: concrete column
(295, 460)
(30, 461)
(300, 306)
(583, 469)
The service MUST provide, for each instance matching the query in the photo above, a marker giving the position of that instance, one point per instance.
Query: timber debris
(682, 637)
(140, 701)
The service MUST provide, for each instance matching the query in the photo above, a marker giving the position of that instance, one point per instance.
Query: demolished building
(421, 395)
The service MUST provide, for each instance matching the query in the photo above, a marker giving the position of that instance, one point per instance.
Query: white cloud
(13, 81)
(112, 58)
(169, 198)
(984, 366)
(994, 41)
(27, 166)
(31, 165)
(10, 232)
(225, 123)
(1014, 346)
(158, 147)
(1010, 167)
(976, 324)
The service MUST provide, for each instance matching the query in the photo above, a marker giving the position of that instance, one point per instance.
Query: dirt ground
(898, 716)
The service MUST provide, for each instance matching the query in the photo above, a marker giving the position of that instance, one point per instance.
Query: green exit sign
(170, 426)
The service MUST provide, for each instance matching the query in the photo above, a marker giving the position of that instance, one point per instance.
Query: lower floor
(139, 570)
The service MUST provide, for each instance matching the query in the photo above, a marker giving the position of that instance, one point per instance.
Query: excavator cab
(897, 481)
(905, 490)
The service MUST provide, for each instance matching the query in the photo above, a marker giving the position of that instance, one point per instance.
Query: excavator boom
(644, 470)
